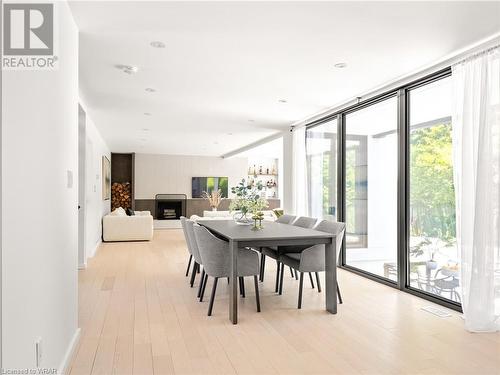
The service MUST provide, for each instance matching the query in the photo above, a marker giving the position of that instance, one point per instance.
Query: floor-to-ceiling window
(433, 258)
(370, 185)
(321, 146)
(384, 167)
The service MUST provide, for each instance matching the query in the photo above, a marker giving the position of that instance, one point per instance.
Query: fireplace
(170, 206)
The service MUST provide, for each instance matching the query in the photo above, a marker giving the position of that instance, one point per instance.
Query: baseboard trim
(70, 353)
(82, 266)
(94, 250)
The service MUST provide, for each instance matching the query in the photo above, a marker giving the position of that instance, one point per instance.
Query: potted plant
(214, 198)
(249, 200)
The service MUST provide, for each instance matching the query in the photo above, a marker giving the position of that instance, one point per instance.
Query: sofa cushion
(118, 212)
(207, 213)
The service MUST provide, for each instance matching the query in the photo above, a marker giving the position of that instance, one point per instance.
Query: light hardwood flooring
(139, 316)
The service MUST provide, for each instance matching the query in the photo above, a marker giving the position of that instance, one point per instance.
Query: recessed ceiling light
(157, 44)
(251, 120)
(282, 101)
(147, 114)
(150, 89)
(129, 69)
(229, 133)
(216, 143)
(340, 65)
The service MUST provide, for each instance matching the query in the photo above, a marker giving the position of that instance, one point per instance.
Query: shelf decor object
(249, 200)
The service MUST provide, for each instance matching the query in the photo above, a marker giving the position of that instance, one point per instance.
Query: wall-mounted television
(208, 184)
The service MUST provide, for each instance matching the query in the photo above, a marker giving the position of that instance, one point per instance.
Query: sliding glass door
(321, 146)
(370, 184)
(433, 257)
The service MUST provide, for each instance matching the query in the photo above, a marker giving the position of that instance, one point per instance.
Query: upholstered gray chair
(216, 263)
(286, 219)
(273, 251)
(312, 259)
(305, 222)
(183, 223)
(196, 253)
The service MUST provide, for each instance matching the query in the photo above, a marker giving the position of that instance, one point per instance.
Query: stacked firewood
(121, 195)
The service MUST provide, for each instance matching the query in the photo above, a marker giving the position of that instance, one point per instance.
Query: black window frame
(403, 222)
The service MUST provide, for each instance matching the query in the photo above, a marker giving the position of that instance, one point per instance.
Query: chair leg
(311, 279)
(278, 266)
(242, 287)
(301, 285)
(338, 293)
(257, 298)
(212, 297)
(201, 282)
(262, 267)
(282, 272)
(203, 288)
(317, 282)
(296, 274)
(193, 275)
(291, 272)
(189, 264)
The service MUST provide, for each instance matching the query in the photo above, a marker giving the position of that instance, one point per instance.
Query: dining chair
(303, 222)
(312, 259)
(273, 251)
(183, 223)
(196, 254)
(216, 263)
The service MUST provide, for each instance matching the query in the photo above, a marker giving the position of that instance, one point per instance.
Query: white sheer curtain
(476, 159)
(300, 193)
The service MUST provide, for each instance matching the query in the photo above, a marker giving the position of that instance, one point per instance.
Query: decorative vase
(257, 220)
(241, 218)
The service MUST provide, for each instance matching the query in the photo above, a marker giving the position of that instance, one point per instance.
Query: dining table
(273, 234)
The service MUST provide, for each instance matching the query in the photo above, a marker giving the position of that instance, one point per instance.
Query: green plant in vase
(249, 200)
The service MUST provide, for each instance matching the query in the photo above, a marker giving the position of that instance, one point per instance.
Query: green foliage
(432, 195)
(248, 198)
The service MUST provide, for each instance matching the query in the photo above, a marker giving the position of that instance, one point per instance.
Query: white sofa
(117, 226)
(228, 215)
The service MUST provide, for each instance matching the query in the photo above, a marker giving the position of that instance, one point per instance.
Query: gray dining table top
(270, 231)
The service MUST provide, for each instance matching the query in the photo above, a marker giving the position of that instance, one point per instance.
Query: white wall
(171, 174)
(39, 210)
(95, 206)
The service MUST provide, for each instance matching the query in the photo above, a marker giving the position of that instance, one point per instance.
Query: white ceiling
(226, 65)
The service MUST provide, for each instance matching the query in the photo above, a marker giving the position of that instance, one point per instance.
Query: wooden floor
(139, 316)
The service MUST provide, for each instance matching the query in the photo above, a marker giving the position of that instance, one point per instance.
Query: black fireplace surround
(170, 206)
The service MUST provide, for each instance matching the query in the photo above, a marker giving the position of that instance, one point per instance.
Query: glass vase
(241, 218)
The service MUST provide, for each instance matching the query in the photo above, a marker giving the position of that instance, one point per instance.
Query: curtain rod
(477, 54)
